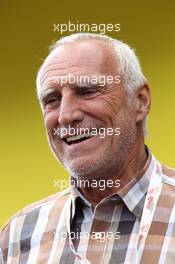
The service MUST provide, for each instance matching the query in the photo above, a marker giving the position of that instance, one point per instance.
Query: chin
(85, 167)
(81, 168)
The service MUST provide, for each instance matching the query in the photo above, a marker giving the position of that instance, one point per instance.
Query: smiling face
(87, 106)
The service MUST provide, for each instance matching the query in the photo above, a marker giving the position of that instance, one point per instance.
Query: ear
(143, 102)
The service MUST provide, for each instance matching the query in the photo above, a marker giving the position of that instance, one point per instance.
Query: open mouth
(76, 139)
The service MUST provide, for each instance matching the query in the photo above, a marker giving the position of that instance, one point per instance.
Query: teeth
(73, 138)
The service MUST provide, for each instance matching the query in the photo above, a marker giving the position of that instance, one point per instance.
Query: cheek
(108, 108)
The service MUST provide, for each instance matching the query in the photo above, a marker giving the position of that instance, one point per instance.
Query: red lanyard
(151, 200)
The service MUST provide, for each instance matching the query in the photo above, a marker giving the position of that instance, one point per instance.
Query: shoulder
(34, 214)
(168, 176)
(60, 198)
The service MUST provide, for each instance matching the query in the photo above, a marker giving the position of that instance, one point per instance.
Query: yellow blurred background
(28, 167)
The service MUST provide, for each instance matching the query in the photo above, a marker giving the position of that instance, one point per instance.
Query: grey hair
(129, 66)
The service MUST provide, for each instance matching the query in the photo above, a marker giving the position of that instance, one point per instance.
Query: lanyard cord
(151, 200)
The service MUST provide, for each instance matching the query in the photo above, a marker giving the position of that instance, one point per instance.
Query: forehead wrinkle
(44, 76)
(78, 83)
(59, 69)
(46, 68)
(74, 73)
(60, 63)
(45, 72)
(49, 68)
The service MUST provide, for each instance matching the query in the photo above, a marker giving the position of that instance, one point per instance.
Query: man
(94, 84)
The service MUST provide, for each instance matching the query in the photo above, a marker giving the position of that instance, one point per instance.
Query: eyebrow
(89, 84)
(46, 92)
(85, 85)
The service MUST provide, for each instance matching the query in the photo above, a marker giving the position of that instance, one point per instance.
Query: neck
(133, 168)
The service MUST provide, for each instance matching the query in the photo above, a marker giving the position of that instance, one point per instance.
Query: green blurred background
(28, 168)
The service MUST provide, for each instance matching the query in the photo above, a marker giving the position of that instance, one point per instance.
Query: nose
(70, 110)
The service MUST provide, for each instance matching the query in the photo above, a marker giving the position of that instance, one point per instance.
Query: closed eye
(88, 92)
(51, 101)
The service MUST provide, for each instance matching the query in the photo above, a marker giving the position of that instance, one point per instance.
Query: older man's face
(88, 106)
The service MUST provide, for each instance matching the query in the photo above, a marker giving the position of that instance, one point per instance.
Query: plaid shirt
(44, 232)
